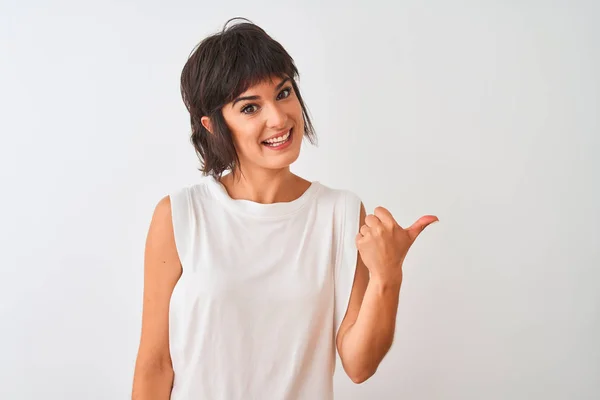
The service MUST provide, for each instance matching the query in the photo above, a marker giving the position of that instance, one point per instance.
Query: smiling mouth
(278, 141)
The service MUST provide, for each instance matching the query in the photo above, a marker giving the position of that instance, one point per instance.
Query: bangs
(246, 59)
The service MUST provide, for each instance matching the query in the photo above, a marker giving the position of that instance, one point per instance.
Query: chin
(284, 161)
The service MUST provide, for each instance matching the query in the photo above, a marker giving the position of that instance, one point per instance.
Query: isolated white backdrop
(483, 113)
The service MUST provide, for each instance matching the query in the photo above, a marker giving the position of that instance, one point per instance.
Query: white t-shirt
(263, 291)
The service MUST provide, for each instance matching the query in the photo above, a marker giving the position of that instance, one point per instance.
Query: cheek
(297, 110)
(244, 130)
(246, 139)
(294, 111)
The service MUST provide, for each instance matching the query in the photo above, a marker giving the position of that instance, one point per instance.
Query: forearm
(368, 340)
(152, 384)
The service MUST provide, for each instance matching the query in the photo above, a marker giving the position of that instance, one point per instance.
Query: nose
(277, 117)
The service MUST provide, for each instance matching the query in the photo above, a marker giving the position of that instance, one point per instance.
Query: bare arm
(153, 375)
(367, 331)
(368, 327)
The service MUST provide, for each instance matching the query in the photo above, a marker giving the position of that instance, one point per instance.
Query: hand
(383, 244)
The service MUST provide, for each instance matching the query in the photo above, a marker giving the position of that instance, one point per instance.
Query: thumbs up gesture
(383, 244)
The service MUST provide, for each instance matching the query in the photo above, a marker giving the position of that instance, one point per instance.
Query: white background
(484, 114)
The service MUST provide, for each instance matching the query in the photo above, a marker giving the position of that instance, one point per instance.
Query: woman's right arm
(153, 375)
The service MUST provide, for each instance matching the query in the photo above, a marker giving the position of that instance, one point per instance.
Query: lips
(279, 138)
(283, 132)
(280, 142)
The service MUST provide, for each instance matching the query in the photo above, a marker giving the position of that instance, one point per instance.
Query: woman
(252, 278)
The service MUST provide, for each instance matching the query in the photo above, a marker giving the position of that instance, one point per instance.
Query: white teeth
(279, 139)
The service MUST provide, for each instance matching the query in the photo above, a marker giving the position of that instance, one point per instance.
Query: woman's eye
(287, 92)
(252, 108)
(249, 109)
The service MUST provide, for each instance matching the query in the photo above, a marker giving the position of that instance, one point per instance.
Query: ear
(206, 123)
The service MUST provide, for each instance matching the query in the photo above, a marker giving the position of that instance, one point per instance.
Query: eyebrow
(258, 97)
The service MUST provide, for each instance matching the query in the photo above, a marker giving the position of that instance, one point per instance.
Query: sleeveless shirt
(263, 291)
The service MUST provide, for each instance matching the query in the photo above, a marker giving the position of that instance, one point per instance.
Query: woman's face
(266, 124)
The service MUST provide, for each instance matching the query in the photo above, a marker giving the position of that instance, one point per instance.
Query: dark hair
(220, 68)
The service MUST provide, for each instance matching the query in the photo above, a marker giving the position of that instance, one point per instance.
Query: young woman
(252, 278)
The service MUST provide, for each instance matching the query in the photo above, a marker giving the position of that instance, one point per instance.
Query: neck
(264, 186)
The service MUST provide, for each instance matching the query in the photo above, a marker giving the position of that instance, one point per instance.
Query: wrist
(386, 283)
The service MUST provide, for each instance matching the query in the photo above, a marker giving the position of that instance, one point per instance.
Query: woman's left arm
(367, 331)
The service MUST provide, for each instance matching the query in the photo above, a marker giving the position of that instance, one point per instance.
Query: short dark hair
(219, 69)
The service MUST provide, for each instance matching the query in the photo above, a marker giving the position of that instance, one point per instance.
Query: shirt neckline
(250, 207)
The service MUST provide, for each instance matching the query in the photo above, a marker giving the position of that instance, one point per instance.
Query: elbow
(152, 378)
(361, 375)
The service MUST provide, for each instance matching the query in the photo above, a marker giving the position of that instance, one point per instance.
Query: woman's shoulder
(196, 190)
(334, 190)
(338, 195)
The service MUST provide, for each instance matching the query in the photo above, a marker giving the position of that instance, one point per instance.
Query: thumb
(418, 227)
